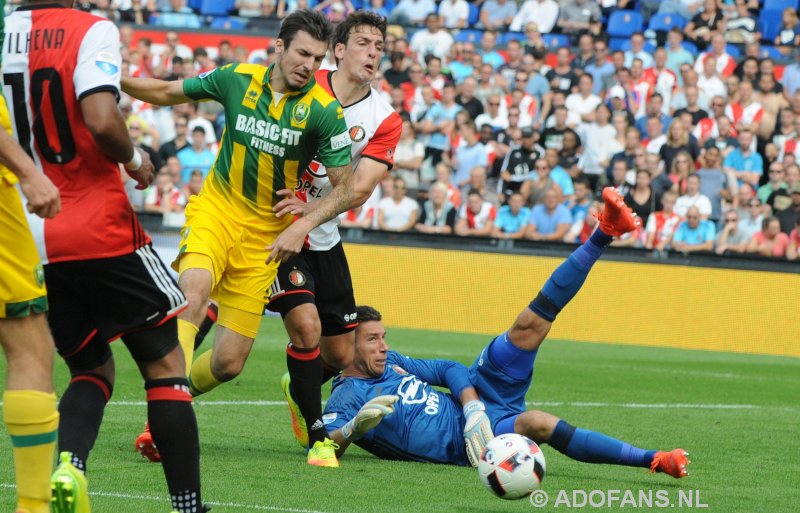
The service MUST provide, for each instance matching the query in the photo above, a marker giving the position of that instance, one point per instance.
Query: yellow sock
(201, 380)
(187, 332)
(31, 418)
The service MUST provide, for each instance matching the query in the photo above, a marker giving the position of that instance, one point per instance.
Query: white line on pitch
(251, 507)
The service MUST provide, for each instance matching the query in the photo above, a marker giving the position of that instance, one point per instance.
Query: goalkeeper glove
(477, 430)
(369, 416)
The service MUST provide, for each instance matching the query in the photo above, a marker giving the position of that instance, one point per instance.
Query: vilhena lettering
(267, 130)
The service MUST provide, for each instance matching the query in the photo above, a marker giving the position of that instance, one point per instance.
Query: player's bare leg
(30, 407)
(337, 351)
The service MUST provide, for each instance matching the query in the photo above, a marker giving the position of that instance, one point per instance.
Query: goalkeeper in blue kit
(385, 402)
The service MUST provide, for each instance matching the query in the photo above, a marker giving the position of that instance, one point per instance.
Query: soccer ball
(511, 466)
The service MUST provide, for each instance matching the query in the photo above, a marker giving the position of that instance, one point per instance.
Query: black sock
(174, 429)
(328, 372)
(305, 369)
(205, 326)
(81, 409)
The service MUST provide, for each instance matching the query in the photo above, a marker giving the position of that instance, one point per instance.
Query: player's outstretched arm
(42, 195)
(367, 418)
(157, 92)
(478, 427)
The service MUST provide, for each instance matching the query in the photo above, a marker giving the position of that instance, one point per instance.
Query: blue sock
(592, 447)
(513, 361)
(568, 277)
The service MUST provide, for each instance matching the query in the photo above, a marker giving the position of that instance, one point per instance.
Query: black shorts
(321, 278)
(93, 302)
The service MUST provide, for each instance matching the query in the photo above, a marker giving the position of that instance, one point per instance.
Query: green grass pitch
(737, 415)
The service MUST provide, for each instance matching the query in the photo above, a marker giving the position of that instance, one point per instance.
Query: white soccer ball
(512, 466)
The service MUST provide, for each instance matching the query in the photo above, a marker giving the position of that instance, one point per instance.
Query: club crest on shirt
(300, 113)
(297, 278)
(357, 133)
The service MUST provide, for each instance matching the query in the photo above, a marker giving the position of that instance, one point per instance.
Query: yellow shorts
(22, 290)
(238, 253)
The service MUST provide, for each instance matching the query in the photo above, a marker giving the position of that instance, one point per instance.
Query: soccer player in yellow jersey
(29, 404)
(277, 119)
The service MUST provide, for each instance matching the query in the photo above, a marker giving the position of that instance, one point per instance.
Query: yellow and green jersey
(270, 138)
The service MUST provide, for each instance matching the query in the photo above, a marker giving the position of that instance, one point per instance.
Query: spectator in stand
(659, 180)
(171, 148)
(600, 68)
(751, 223)
(788, 38)
(408, 155)
(633, 143)
(363, 216)
(497, 14)
(742, 26)
(466, 98)
(693, 198)
(772, 102)
(478, 182)
(726, 64)
(782, 201)
(398, 72)
(579, 16)
(596, 138)
(570, 155)
(590, 222)
(489, 83)
(685, 8)
(638, 51)
(744, 161)
(177, 15)
(163, 196)
(715, 183)
(398, 212)
(472, 153)
(776, 182)
(476, 217)
(443, 174)
(579, 208)
(694, 234)
(558, 174)
(709, 81)
(749, 70)
(793, 250)
(730, 239)
(496, 114)
(655, 139)
(725, 141)
(680, 169)
(454, 13)
(585, 55)
(512, 219)
(539, 183)
(137, 129)
(677, 55)
(791, 78)
(542, 12)
(197, 155)
(562, 77)
(692, 107)
(431, 40)
(412, 12)
(550, 220)
(196, 118)
(745, 113)
(661, 225)
(422, 103)
(438, 215)
(663, 82)
(519, 164)
(533, 38)
(513, 64)
(710, 21)
(678, 140)
(584, 102)
(490, 55)
(194, 186)
(770, 241)
(641, 198)
(439, 123)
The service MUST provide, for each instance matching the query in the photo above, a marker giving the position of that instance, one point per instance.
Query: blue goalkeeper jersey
(427, 424)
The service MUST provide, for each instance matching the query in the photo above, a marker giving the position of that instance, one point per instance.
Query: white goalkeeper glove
(477, 430)
(369, 416)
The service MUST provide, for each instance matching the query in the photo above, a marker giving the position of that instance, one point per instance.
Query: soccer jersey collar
(267, 83)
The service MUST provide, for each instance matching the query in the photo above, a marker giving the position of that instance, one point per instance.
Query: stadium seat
(780, 5)
(624, 23)
(664, 22)
(506, 37)
(468, 36)
(216, 7)
(769, 23)
(228, 23)
(690, 47)
(615, 43)
(733, 50)
(474, 14)
(772, 53)
(626, 45)
(194, 5)
(555, 41)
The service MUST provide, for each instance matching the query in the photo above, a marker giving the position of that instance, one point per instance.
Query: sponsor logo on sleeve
(340, 141)
(206, 73)
(107, 63)
(328, 418)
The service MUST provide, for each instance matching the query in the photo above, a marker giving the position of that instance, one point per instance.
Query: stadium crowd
(516, 116)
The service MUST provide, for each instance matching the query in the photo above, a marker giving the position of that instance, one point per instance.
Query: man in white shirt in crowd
(397, 213)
